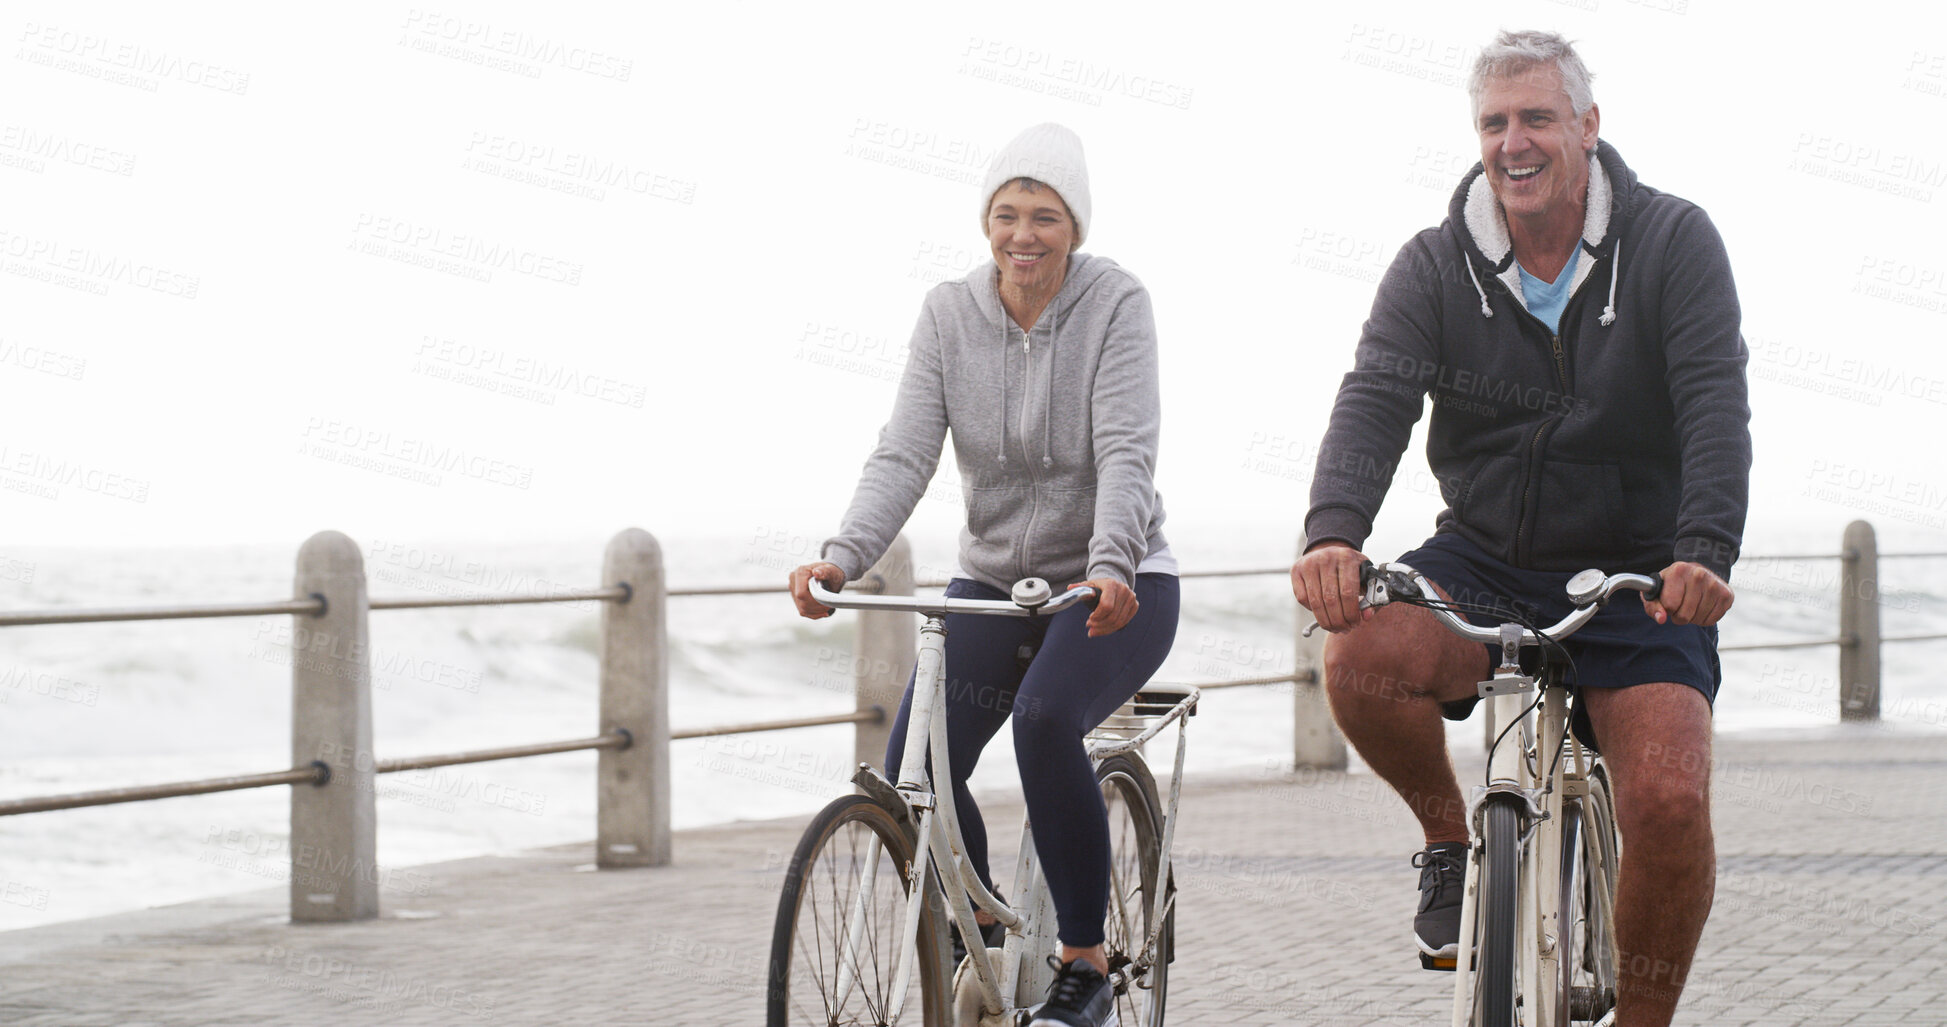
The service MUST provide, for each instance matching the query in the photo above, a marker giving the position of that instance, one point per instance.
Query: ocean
(103, 705)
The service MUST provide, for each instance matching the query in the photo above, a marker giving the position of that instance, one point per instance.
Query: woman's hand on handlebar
(1326, 581)
(1115, 605)
(833, 578)
(1691, 594)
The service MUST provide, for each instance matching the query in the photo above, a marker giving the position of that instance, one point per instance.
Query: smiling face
(1031, 234)
(1533, 146)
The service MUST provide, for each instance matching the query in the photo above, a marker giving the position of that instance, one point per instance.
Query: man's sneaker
(1079, 997)
(1436, 927)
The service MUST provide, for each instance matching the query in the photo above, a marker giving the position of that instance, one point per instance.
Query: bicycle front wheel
(836, 946)
(1135, 878)
(1588, 985)
(1496, 984)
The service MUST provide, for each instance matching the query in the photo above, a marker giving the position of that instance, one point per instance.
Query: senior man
(1578, 333)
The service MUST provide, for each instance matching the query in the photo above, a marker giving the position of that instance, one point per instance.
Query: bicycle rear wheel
(1588, 903)
(1135, 876)
(836, 945)
(1496, 973)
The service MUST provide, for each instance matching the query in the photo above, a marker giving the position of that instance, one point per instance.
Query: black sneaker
(1079, 997)
(1436, 927)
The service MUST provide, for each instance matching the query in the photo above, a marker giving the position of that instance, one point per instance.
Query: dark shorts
(1622, 646)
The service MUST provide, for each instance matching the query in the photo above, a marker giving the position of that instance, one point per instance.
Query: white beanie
(1047, 153)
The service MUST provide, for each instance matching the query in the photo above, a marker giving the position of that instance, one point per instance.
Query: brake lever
(1374, 592)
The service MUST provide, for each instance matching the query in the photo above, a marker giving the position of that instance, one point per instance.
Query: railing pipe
(1801, 644)
(1302, 677)
(23, 618)
(312, 775)
(1859, 625)
(334, 827)
(632, 784)
(612, 740)
(611, 594)
(875, 715)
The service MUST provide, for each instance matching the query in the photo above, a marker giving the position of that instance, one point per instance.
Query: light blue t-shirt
(1547, 299)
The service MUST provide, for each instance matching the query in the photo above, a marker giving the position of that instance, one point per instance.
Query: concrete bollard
(883, 654)
(632, 784)
(334, 826)
(1315, 739)
(1859, 624)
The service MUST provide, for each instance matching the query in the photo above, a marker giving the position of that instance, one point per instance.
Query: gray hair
(1515, 52)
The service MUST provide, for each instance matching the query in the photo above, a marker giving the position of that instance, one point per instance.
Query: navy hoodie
(1622, 443)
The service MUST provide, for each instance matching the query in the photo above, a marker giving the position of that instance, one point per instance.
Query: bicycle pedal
(1446, 963)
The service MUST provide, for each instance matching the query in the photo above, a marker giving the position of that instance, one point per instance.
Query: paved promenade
(1296, 901)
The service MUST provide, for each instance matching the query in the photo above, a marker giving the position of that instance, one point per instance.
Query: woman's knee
(1037, 731)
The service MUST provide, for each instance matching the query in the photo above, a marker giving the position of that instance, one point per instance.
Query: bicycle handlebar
(1589, 590)
(1031, 599)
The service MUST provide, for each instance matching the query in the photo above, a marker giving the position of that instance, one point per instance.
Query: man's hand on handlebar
(1115, 605)
(828, 573)
(1691, 595)
(1325, 581)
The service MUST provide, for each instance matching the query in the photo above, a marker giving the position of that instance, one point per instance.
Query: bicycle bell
(1586, 586)
(1031, 593)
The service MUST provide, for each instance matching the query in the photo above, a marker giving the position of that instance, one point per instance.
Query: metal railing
(1859, 638)
(333, 815)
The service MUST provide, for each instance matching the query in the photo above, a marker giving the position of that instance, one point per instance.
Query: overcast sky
(529, 272)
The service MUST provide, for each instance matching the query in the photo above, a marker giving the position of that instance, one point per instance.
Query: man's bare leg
(1386, 679)
(1656, 743)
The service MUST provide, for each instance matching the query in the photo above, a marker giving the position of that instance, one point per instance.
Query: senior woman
(1042, 366)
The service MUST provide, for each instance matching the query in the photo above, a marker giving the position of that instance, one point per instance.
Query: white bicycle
(1537, 916)
(879, 877)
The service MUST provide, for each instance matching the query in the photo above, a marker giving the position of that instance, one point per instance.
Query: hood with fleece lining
(1484, 228)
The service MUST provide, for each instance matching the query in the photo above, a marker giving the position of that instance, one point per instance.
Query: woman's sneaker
(1436, 927)
(1079, 997)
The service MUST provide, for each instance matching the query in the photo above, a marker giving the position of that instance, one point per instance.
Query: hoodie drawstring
(1486, 311)
(1609, 312)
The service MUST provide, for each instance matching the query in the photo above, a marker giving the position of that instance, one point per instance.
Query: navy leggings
(1071, 684)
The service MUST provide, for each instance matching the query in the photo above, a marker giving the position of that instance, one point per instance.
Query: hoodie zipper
(1027, 458)
(1558, 355)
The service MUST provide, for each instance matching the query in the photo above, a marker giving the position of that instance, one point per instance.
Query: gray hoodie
(1054, 431)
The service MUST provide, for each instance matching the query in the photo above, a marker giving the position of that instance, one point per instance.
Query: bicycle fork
(1512, 780)
(1541, 940)
(1507, 783)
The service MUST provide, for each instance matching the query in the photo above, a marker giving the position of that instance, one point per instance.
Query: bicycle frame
(1015, 981)
(1538, 790)
(1529, 768)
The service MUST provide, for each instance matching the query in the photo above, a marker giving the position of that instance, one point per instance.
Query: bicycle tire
(821, 889)
(1589, 850)
(1135, 873)
(1496, 974)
